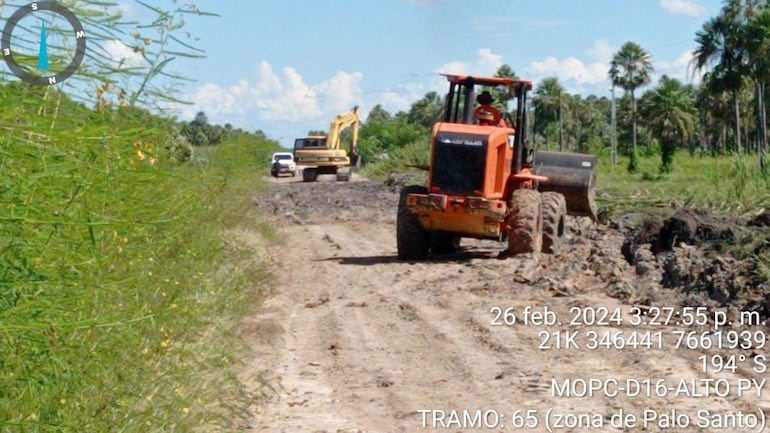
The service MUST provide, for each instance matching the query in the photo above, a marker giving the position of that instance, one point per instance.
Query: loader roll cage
(461, 99)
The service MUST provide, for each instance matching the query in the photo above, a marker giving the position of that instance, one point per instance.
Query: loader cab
(469, 159)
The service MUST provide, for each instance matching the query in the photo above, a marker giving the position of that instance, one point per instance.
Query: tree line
(724, 113)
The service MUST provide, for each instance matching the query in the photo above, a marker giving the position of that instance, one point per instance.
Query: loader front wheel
(554, 207)
(413, 242)
(525, 233)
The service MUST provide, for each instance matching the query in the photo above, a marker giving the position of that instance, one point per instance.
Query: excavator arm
(341, 122)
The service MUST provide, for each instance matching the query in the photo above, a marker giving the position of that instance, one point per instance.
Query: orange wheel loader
(485, 183)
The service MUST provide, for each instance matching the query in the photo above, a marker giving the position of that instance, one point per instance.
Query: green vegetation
(119, 291)
(120, 288)
(720, 124)
(729, 184)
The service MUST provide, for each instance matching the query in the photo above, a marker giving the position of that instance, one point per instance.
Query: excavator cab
(484, 183)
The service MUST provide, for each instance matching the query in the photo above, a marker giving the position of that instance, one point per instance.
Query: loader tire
(412, 240)
(444, 243)
(525, 232)
(554, 207)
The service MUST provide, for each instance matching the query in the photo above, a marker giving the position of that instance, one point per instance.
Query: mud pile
(691, 257)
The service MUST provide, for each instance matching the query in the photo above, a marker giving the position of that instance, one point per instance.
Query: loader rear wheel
(554, 207)
(412, 240)
(309, 174)
(525, 233)
(444, 243)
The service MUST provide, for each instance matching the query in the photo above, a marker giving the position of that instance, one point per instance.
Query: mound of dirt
(698, 254)
(328, 201)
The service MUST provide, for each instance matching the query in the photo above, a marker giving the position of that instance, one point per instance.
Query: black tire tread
(413, 242)
(525, 234)
(554, 207)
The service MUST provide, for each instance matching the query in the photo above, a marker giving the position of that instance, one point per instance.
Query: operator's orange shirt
(498, 118)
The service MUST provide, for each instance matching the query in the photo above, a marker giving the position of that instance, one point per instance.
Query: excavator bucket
(571, 174)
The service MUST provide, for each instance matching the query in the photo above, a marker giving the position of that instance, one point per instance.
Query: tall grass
(731, 183)
(115, 314)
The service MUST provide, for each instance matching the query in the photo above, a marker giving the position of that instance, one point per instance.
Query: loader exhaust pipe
(571, 174)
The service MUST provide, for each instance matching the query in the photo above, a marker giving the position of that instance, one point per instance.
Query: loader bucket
(571, 174)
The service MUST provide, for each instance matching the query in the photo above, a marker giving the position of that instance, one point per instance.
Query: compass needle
(42, 59)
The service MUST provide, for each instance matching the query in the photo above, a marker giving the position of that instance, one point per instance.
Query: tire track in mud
(357, 341)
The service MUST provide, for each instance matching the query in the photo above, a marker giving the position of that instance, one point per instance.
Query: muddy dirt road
(356, 341)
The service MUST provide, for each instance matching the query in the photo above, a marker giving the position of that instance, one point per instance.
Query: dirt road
(354, 340)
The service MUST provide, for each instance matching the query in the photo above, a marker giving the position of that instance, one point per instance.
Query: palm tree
(735, 45)
(631, 68)
(720, 48)
(758, 47)
(670, 113)
(548, 107)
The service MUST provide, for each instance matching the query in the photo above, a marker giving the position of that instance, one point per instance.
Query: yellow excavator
(323, 154)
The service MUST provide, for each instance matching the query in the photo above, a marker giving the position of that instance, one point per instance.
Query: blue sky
(287, 67)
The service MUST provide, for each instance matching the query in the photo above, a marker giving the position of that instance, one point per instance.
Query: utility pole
(561, 127)
(613, 134)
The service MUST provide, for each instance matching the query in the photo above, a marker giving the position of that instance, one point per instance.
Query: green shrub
(114, 312)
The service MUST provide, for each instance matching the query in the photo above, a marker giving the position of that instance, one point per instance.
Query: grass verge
(119, 295)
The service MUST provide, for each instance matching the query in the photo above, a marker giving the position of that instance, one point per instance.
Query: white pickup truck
(283, 163)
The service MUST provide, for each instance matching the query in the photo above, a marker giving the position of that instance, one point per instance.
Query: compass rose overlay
(56, 76)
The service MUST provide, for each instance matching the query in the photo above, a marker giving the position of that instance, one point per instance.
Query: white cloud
(679, 68)
(486, 63)
(341, 92)
(124, 55)
(587, 75)
(601, 51)
(570, 69)
(684, 7)
(401, 97)
(128, 10)
(283, 100)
